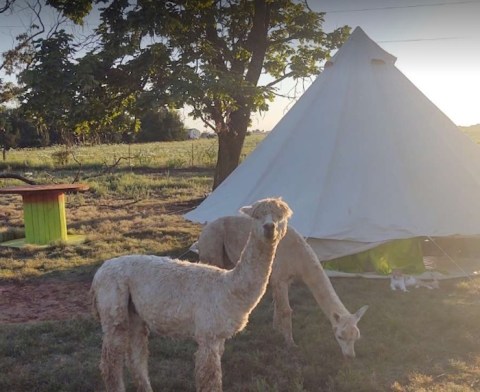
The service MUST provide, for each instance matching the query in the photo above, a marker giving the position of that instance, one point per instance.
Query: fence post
(192, 155)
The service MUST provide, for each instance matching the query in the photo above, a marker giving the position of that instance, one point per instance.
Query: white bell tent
(362, 158)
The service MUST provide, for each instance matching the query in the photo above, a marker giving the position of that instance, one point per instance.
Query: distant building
(194, 133)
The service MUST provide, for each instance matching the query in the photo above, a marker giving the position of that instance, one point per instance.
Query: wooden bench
(44, 212)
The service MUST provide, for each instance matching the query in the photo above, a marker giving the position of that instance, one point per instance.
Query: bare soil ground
(31, 300)
(52, 299)
(22, 302)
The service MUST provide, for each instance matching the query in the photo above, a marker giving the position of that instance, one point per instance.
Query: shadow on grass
(421, 340)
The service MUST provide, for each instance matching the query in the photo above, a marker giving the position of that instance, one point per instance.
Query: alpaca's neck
(249, 278)
(314, 276)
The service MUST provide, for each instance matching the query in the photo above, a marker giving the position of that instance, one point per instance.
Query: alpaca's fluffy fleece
(221, 243)
(135, 294)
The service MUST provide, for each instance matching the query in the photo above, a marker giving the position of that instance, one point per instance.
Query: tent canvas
(362, 158)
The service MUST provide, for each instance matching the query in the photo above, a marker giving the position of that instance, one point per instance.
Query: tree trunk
(230, 144)
(232, 136)
(229, 149)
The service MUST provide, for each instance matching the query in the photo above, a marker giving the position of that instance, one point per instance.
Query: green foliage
(161, 125)
(75, 10)
(14, 60)
(49, 97)
(16, 131)
(8, 136)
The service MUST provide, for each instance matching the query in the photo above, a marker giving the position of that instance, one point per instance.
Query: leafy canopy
(211, 54)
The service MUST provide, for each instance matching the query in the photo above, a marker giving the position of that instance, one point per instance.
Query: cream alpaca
(135, 294)
(220, 244)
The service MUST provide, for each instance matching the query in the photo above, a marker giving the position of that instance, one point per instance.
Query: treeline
(16, 131)
(138, 56)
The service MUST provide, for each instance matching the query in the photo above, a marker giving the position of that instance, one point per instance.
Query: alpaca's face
(346, 331)
(271, 216)
(273, 230)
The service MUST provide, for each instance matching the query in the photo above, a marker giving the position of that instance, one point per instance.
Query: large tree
(31, 13)
(74, 88)
(50, 95)
(218, 51)
(222, 58)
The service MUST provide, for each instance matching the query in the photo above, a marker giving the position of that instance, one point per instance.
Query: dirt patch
(22, 302)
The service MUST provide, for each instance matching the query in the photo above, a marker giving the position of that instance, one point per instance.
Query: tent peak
(360, 45)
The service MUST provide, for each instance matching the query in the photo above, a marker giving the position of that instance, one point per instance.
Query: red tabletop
(51, 188)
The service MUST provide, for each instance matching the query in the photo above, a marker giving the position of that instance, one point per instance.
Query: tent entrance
(403, 254)
(444, 257)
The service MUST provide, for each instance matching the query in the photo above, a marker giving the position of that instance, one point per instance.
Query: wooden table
(44, 212)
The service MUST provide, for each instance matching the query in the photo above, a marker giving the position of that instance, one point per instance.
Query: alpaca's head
(346, 330)
(271, 217)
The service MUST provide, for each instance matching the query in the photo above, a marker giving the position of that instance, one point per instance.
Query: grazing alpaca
(135, 294)
(221, 242)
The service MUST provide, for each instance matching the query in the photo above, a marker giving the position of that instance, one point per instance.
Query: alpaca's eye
(340, 338)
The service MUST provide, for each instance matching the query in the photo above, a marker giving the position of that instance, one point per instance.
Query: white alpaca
(135, 294)
(220, 244)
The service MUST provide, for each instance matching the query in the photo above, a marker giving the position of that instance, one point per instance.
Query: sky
(436, 42)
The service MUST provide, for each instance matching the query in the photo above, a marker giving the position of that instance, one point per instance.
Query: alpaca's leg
(282, 312)
(138, 352)
(208, 367)
(113, 358)
(112, 307)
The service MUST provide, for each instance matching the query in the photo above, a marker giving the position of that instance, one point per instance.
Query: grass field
(171, 155)
(424, 340)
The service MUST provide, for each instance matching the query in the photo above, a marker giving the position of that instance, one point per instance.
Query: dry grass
(143, 219)
(424, 340)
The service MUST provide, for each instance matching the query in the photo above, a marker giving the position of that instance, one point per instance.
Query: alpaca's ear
(360, 312)
(247, 210)
(289, 212)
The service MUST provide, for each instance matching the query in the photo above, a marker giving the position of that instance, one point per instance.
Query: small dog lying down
(400, 281)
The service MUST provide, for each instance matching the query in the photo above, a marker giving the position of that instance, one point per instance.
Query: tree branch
(6, 6)
(221, 49)
(17, 177)
(207, 123)
(284, 40)
(10, 55)
(285, 76)
(257, 41)
(307, 5)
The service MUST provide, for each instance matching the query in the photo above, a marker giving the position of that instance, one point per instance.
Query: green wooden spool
(44, 217)
(44, 213)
